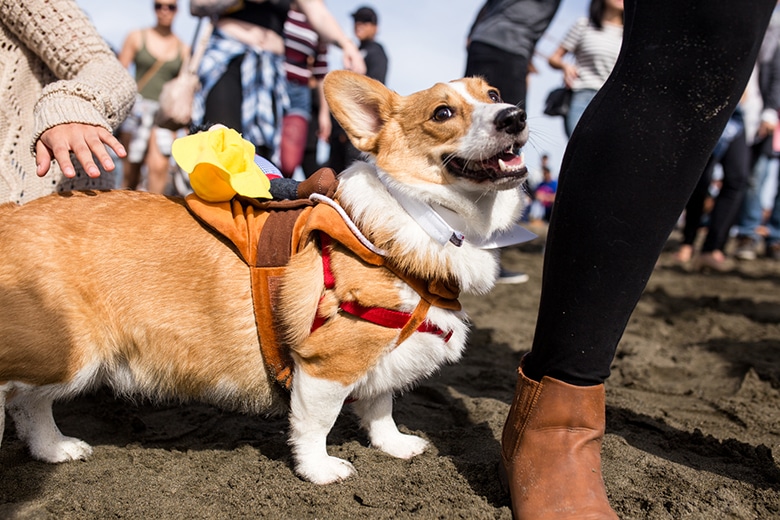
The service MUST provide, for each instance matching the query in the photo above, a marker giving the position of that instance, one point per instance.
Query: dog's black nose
(511, 120)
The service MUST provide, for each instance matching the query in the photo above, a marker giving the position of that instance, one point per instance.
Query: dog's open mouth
(505, 165)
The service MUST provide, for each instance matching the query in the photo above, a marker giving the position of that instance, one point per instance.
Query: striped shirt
(595, 52)
(305, 55)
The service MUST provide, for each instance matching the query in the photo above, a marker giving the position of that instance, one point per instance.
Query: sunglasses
(169, 7)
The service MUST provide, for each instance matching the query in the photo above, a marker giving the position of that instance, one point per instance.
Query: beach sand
(693, 425)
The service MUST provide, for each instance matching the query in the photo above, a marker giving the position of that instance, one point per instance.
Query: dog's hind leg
(315, 405)
(31, 411)
(376, 416)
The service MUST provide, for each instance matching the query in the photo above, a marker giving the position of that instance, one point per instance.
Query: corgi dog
(127, 289)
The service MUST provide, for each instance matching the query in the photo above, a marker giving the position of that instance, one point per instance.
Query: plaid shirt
(263, 83)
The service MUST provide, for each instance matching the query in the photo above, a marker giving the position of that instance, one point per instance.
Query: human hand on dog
(86, 141)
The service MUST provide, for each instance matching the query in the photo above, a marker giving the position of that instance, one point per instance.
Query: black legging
(629, 168)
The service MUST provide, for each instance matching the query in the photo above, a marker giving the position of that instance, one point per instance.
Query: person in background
(342, 153)
(243, 81)
(544, 197)
(628, 170)
(157, 54)
(764, 156)
(366, 29)
(499, 46)
(733, 154)
(595, 43)
(501, 43)
(63, 94)
(306, 65)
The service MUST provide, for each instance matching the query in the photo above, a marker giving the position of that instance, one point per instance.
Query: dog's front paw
(325, 470)
(64, 449)
(400, 445)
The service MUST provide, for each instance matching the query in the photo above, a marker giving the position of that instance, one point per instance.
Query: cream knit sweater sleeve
(93, 87)
(54, 68)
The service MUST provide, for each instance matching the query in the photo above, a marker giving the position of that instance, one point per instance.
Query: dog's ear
(360, 104)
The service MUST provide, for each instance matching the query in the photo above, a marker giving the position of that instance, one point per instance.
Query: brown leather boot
(551, 451)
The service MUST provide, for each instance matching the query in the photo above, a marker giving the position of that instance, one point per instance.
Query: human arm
(92, 91)
(556, 61)
(329, 30)
(569, 45)
(130, 48)
(324, 121)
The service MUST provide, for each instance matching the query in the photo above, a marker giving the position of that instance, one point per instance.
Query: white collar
(439, 223)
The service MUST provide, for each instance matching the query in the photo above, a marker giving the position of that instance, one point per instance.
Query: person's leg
(294, 133)
(628, 170)
(338, 148)
(294, 128)
(773, 224)
(751, 212)
(158, 164)
(694, 208)
(736, 169)
(580, 99)
(131, 171)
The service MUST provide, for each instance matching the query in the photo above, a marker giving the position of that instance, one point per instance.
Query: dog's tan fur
(82, 287)
(128, 289)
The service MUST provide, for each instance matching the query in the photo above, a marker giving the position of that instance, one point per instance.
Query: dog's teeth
(513, 168)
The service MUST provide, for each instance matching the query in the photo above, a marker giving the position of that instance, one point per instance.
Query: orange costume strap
(267, 234)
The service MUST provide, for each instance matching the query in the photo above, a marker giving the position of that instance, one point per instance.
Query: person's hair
(596, 13)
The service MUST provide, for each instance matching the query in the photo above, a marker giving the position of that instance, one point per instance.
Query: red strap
(389, 318)
(327, 272)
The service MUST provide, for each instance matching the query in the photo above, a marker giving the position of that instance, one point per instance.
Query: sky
(424, 40)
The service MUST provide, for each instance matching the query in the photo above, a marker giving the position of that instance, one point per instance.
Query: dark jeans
(630, 167)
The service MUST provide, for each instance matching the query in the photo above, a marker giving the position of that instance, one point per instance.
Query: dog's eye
(443, 114)
(494, 96)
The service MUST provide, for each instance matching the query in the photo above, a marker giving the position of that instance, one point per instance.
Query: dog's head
(457, 134)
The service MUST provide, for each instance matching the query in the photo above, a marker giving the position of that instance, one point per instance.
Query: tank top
(145, 61)
(270, 14)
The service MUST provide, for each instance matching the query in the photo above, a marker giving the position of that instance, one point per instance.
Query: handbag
(178, 94)
(558, 102)
(211, 8)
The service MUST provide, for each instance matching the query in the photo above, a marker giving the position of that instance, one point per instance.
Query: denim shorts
(300, 100)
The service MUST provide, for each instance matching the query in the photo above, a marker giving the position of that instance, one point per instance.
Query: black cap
(365, 14)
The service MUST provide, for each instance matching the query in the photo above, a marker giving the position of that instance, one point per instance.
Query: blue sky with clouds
(425, 40)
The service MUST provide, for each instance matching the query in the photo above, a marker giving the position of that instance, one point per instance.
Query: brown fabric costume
(267, 234)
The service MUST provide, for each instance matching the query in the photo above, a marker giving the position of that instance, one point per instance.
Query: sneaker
(505, 276)
(746, 248)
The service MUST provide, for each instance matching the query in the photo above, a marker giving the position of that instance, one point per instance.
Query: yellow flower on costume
(221, 164)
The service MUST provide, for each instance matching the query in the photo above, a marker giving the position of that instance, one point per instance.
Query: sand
(693, 425)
